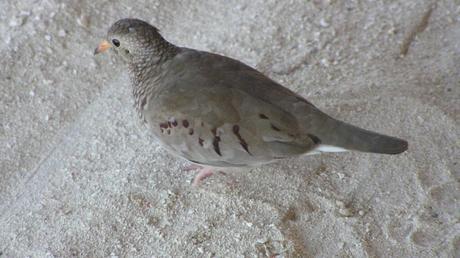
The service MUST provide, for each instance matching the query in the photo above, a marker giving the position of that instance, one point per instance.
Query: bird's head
(132, 39)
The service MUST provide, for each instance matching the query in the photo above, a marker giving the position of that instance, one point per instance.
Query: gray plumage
(217, 111)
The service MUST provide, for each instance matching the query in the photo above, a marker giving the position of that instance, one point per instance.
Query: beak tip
(102, 47)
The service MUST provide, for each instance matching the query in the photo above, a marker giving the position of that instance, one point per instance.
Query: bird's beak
(102, 47)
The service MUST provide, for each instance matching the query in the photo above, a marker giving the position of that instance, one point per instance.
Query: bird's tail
(340, 136)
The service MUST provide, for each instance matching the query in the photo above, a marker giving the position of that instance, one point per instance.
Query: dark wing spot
(245, 146)
(262, 116)
(215, 143)
(190, 131)
(174, 123)
(169, 124)
(236, 131)
(185, 123)
(164, 125)
(315, 139)
(161, 130)
(168, 131)
(200, 141)
(275, 128)
(143, 102)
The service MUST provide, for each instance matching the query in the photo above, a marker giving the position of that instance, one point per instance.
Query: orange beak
(102, 47)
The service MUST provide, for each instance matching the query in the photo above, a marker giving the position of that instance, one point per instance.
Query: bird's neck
(146, 70)
(148, 63)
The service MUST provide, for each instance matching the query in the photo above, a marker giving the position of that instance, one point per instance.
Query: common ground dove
(216, 111)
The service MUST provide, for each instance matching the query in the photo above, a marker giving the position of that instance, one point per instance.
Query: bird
(218, 112)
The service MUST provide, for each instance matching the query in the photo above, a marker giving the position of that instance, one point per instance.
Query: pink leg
(204, 173)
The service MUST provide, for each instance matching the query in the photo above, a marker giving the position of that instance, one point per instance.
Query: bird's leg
(204, 173)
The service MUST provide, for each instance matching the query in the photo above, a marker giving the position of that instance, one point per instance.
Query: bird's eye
(116, 42)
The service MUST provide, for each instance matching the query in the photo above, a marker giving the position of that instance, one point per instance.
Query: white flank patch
(329, 148)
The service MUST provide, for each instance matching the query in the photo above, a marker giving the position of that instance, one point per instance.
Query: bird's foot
(204, 173)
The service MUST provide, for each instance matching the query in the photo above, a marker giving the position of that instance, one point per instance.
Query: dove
(218, 112)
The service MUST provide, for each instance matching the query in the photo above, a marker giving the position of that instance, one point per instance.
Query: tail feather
(350, 137)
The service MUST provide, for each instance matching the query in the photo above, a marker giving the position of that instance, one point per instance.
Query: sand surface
(79, 175)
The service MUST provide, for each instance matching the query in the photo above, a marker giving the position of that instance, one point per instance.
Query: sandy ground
(80, 177)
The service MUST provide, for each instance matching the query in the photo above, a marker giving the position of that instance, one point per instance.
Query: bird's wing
(326, 132)
(210, 112)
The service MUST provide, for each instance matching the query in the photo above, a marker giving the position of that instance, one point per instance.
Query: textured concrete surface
(80, 177)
